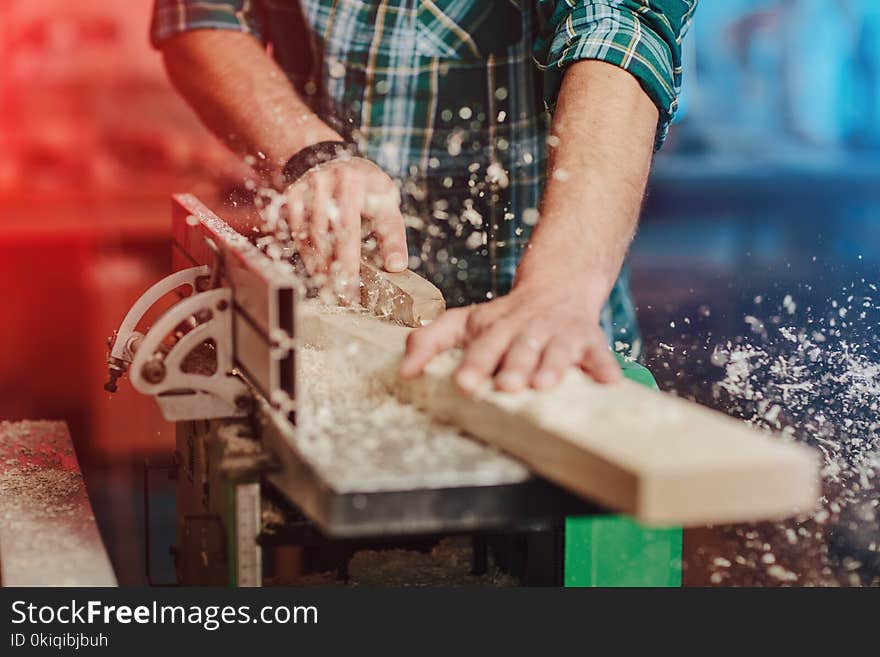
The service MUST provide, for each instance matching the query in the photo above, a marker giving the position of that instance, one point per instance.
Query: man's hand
(528, 338)
(333, 208)
(247, 100)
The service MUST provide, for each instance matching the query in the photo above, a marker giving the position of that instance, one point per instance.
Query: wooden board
(651, 455)
(48, 535)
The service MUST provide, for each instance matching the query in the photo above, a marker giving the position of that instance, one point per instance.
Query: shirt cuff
(643, 44)
(171, 17)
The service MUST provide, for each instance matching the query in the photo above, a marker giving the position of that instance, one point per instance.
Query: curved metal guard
(125, 340)
(184, 395)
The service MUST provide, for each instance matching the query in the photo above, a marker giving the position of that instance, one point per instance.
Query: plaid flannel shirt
(451, 97)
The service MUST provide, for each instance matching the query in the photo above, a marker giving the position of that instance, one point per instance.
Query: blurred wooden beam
(48, 534)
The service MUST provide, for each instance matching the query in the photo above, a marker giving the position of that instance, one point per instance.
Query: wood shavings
(363, 439)
(818, 385)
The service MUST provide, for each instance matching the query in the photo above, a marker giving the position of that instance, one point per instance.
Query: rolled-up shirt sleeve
(172, 17)
(642, 37)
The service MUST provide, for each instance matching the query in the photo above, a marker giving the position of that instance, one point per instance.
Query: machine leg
(616, 551)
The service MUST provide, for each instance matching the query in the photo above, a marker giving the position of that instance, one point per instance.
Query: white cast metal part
(126, 335)
(185, 395)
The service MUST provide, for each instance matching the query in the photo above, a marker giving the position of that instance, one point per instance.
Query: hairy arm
(604, 127)
(242, 95)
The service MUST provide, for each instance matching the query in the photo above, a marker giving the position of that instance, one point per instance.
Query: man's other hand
(332, 209)
(528, 338)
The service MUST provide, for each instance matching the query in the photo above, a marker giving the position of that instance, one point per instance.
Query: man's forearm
(242, 95)
(604, 130)
(549, 322)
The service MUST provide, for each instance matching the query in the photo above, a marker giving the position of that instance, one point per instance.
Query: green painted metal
(616, 551)
(613, 550)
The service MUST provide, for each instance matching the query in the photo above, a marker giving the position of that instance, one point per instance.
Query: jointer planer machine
(246, 487)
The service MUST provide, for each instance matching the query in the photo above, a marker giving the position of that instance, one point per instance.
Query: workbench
(48, 533)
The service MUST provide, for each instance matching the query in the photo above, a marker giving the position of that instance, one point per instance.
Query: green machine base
(614, 550)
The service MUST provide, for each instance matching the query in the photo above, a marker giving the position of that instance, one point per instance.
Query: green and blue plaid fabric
(451, 97)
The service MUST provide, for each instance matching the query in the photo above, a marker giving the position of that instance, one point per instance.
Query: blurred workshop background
(769, 186)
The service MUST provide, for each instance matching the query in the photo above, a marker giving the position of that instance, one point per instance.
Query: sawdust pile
(815, 378)
(447, 564)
